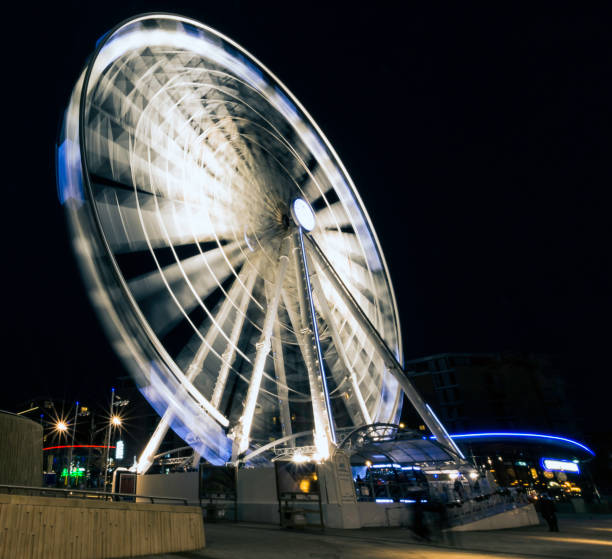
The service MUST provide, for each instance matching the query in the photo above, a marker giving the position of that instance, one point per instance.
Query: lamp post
(88, 476)
(76, 413)
(114, 421)
(108, 434)
(60, 428)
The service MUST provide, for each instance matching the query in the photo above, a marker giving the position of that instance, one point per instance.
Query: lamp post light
(114, 423)
(61, 426)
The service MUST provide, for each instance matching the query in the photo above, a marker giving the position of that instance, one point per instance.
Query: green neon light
(77, 472)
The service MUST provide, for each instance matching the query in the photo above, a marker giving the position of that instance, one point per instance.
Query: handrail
(83, 493)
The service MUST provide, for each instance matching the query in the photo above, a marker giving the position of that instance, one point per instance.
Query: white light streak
(189, 143)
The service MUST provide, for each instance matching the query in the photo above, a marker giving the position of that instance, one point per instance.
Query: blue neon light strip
(315, 333)
(523, 435)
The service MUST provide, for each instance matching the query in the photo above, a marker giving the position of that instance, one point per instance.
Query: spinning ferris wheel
(226, 248)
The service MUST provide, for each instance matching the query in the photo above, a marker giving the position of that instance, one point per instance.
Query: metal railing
(482, 506)
(84, 494)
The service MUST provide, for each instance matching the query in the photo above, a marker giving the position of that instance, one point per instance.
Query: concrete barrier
(20, 450)
(57, 528)
(179, 484)
(257, 496)
(387, 515)
(515, 518)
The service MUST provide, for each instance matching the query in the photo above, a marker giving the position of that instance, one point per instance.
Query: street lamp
(60, 429)
(76, 413)
(61, 426)
(114, 422)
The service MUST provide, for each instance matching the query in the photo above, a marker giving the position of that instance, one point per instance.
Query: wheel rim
(180, 160)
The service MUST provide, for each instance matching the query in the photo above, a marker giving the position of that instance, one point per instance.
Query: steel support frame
(242, 431)
(147, 456)
(335, 334)
(310, 332)
(389, 359)
(281, 387)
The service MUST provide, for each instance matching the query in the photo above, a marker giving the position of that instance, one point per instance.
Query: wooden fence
(53, 528)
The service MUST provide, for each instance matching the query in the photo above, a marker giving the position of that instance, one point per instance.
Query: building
(75, 436)
(495, 392)
(511, 415)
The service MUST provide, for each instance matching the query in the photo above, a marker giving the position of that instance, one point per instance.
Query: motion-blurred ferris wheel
(226, 248)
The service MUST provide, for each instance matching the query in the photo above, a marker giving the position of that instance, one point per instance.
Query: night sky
(479, 142)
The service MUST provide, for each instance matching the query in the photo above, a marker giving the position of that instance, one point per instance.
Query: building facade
(492, 391)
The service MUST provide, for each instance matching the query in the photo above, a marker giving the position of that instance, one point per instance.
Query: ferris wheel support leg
(312, 347)
(146, 458)
(242, 431)
(305, 344)
(430, 419)
(195, 461)
(283, 392)
(331, 323)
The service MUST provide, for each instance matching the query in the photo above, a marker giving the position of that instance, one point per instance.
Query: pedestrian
(549, 512)
(444, 532)
(458, 489)
(477, 487)
(419, 526)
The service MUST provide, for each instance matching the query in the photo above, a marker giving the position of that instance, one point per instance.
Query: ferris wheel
(226, 249)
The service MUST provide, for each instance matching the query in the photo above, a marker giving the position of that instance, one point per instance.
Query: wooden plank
(53, 528)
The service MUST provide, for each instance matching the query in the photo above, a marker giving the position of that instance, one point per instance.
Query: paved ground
(581, 537)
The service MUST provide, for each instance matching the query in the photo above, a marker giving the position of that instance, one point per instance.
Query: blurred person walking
(419, 524)
(549, 512)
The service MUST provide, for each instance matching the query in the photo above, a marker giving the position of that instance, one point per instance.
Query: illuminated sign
(119, 450)
(75, 472)
(554, 465)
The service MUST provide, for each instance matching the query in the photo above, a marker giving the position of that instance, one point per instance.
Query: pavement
(580, 537)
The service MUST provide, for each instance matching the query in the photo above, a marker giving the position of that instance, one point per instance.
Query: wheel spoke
(131, 218)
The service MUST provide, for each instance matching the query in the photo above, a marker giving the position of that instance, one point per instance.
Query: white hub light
(302, 214)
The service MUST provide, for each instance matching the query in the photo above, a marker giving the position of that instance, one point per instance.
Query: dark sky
(479, 142)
